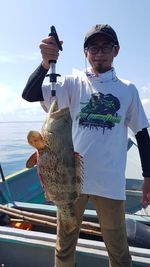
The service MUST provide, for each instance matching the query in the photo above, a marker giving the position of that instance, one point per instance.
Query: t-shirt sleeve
(136, 118)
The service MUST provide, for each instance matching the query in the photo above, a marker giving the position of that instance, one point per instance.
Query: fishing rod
(6, 185)
(53, 75)
(2, 174)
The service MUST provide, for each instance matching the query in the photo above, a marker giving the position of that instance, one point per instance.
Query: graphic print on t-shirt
(100, 111)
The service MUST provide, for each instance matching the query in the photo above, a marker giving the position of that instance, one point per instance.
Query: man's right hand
(49, 51)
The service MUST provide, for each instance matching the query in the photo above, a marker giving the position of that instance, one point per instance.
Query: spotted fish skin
(59, 167)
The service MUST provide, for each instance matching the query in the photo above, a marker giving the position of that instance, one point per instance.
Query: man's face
(100, 53)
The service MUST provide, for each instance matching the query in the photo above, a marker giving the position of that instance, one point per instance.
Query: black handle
(55, 35)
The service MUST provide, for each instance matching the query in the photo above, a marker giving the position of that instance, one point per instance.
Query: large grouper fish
(60, 169)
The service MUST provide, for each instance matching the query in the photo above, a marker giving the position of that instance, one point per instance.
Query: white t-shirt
(102, 108)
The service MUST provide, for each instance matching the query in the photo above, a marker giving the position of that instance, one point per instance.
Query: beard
(101, 68)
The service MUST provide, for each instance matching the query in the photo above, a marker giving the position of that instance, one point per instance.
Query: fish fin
(42, 181)
(32, 161)
(54, 106)
(79, 172)
(55, 112)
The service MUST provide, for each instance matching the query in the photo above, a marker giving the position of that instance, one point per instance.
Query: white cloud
(14, 108)
(146, 105)
(146, 89)
(144, 93)
(7, 57)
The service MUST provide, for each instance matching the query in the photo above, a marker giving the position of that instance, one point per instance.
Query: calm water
(14, 148)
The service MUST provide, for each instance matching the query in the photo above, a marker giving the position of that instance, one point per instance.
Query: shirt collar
(109, 75)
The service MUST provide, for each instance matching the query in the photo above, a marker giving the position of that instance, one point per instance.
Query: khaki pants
(112, 220)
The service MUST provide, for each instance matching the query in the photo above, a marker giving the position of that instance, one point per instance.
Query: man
(102, 106)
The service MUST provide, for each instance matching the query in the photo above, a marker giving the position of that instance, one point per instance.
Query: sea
(14, 148)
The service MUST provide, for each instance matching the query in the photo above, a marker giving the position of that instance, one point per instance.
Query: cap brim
(99, 33)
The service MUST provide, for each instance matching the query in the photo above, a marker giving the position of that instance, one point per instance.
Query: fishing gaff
(53, 75)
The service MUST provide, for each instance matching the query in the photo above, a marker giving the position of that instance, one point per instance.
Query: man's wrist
(45, 65)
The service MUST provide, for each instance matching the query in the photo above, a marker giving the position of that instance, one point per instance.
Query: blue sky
(24, 23)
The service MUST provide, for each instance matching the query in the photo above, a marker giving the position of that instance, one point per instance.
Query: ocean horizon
(15, 150)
